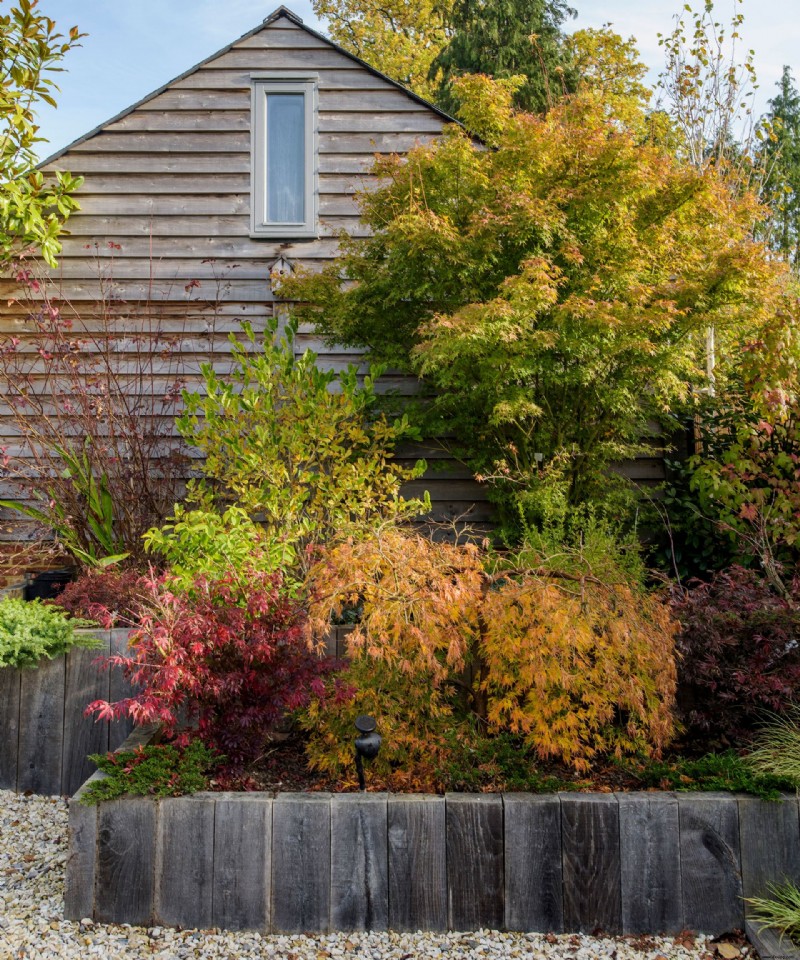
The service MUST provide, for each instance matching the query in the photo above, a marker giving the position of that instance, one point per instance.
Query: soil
(283, 769)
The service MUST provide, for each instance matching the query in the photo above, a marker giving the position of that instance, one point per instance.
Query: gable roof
(281, 11)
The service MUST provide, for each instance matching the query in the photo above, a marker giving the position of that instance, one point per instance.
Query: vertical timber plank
(80, 873)
(533, 880)
(649, 839)
(9, 727)
(301, 863)
(770, 838)
(359, 862)
(126, 852)
(119, 689)
(417, 863)
(474, 861)
(711, 876)
(591, 862)
(242, 861)
(185, 861)
(85, 681)
(41, 727)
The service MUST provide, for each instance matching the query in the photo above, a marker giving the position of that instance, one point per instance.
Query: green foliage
(776, 749)
(32, 209)
(781, 912)
(398, 37)
(714, 771)
(746, 480)
(554, 291)
(504, 39)
(203, 543)
(781, 160)
(99, 545)
(31, 631)
(304, 449)
(475, 763)
(157, 770)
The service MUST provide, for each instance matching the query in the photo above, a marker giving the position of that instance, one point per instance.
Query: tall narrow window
(284, 158)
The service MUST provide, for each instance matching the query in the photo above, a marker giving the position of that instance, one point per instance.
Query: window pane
(286, 157)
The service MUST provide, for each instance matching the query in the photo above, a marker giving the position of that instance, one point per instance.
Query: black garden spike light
(368, 743)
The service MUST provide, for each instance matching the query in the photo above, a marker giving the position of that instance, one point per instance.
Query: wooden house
(244, 165)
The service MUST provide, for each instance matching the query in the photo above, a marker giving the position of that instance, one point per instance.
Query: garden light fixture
(368, 743)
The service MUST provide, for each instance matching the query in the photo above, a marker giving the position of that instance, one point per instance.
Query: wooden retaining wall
(44, 737)
(627, 863)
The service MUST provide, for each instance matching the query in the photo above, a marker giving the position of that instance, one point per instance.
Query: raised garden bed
(45, 740)
(316, 862)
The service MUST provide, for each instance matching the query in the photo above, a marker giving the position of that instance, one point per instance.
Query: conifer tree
(782, 155)
(505, 38)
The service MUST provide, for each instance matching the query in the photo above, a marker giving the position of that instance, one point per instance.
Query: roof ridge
(283, 11)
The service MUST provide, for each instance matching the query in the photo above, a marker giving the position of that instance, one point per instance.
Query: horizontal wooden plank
(105, 161)
(234, 142)
(302, 58)
(270, 39)
(185, 204)
(179, 246)
(341, 75)
(114, 227)
(221, 121)
(150, 184)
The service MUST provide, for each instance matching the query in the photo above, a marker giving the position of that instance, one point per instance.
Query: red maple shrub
(231, 662)
(110, 596)
(739, 653)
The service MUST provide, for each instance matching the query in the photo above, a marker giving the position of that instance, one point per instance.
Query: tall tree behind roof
(782, 162)
(401, 38)
(505, 38)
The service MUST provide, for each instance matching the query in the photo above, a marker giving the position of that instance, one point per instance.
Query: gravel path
(33, 842)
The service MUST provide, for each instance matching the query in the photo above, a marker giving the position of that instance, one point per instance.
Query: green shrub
(715, 771)
(158, 770)
(32, 631)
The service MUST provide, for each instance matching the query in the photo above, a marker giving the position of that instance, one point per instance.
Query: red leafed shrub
(234, 665)
(109, 596)
(739, 647)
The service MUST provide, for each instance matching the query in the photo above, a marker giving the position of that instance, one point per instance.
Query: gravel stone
(33, 852)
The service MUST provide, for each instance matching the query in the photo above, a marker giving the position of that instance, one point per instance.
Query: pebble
(33, 851)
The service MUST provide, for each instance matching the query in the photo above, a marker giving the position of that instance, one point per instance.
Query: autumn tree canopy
(553, 290)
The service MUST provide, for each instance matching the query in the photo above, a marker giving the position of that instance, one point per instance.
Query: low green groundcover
(31, 631)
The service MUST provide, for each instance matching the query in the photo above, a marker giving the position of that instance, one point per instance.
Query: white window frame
(262, 85)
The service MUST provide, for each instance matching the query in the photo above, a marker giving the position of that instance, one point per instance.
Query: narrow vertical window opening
(284, 158)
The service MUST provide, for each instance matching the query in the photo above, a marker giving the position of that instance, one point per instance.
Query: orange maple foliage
(574, 665)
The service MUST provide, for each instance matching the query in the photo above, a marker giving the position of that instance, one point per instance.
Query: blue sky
(134, 46)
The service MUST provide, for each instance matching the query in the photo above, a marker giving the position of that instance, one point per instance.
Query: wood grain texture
(85, 682)
(533, 875)
(9, 727)
(126, 859)
(711, 876)
(649, 834)
(770, 845)
(417, 863)
(185, 861)
(119, 689)
(81, 862)
(242, 861)
(591, 862)
(359, 862)
(474, 861)
(41, 727)
(301, 863)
